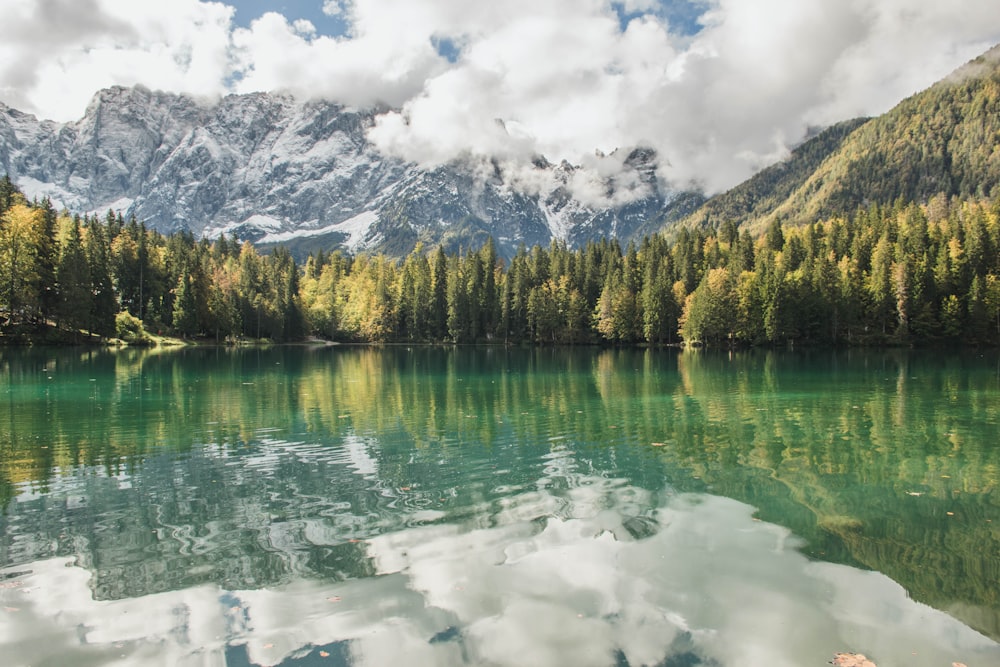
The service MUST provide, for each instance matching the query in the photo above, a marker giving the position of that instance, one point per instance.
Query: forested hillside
(942, 141)
(902, 274)
(761, 194)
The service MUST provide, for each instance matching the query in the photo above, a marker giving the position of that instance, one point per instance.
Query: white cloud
(332, 7)
(717, 106)
(708, 581)
(57, 53)
(384, 67)
(562, 75)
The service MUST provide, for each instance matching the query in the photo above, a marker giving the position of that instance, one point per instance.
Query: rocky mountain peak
(273, 169)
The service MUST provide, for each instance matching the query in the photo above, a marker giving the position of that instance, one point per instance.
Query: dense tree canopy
(885, 275)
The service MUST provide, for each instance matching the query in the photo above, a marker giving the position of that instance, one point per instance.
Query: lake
(485, 506)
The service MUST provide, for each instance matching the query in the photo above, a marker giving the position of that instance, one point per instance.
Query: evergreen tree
(458, 302)
(882, 297)
(775, 237)
(660, 310)
(103, 305)
(489, 298)
(185, 308)
(438, 305)
(75, 290)
(47, 259)
(9, 194)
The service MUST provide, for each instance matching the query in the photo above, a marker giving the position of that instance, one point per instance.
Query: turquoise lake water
(485, 506)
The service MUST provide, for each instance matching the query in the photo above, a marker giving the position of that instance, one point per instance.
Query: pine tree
(9, 194)
(75, 292)
(458, 302)
(880, 291)
(104, 306)
(438, 306)
(185, 308)
(660, 310)
(47, 260)
(489, 298)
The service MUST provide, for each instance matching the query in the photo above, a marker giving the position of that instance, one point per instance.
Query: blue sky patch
(446, 48)
(681, 15)
(312, 10)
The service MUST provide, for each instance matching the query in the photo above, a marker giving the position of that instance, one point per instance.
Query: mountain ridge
(944, 140)
(272, 169)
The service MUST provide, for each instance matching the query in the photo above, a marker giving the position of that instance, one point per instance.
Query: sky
(720, 88)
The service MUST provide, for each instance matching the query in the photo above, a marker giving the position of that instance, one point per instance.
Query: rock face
(271, 169)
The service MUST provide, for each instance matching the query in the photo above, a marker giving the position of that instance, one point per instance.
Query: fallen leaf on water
(852, 660)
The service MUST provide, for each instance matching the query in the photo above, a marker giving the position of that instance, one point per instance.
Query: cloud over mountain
(515, 79)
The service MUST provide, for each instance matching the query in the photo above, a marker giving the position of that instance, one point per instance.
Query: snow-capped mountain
(272, 169)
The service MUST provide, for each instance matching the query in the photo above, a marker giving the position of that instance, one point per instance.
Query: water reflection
(708, 586)
(381, 475)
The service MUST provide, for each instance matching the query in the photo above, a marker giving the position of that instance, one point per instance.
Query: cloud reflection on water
(546, 581)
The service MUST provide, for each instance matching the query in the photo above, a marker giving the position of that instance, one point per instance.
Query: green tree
(75, 289)
(709, 311)
(9, 194)
(438, 305)
(660, 311)
(104, 305)
(458, 302)
(47, 259)
(185, 308)
(223, 299)
(20, 230)
(882, 297)
(489, 297)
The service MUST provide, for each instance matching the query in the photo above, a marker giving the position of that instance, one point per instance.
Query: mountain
(769, 188)
(271, 169)
(942, 141)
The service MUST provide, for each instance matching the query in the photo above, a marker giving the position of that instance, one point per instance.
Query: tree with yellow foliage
(20, 235)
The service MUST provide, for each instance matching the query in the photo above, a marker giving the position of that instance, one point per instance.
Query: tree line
(902, 274)
(108, 277)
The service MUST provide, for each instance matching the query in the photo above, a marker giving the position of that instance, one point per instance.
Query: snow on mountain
(354, 229)
(271, 169)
